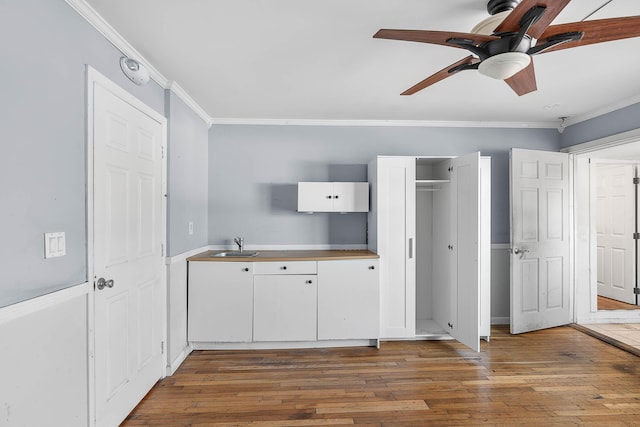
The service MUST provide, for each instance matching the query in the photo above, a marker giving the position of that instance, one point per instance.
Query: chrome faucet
(240, 242)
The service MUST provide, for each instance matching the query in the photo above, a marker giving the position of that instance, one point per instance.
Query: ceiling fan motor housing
(497, 6)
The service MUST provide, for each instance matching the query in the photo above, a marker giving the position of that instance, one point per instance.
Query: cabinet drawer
(285, 267)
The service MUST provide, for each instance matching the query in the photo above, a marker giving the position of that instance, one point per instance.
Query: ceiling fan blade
(433, 37)
(441, 75)
(524, 81)
(511, 23)
(595, 31)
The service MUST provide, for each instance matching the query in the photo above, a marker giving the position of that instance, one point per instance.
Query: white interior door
(540, 288)
(615, 225)
(465, 230)
(127, 254)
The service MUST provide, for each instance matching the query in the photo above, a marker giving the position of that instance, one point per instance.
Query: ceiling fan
(523, 29)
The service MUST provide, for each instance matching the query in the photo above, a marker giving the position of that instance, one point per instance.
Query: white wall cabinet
(430, 224)
(348, 299)
(333, 197)
(220, 301)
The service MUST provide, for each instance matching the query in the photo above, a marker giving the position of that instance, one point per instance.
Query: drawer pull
(309, 282)
(372, 267)
(284, 267)
(245, 269)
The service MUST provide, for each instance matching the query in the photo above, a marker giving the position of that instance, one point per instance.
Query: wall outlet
(190, 227)
(55, 245)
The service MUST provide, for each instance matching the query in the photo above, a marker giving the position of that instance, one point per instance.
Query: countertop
(304, 255)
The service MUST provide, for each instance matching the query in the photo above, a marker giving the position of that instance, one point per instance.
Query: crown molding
(104, 28)
(389, 123)
(579, 118)
(174, 87)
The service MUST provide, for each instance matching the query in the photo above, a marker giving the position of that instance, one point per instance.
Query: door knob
(102, 283)
(520, 252)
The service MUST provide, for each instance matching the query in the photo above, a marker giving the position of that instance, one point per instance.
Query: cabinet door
(348, 299)
(350, 196)
(315, 197)
(396, 228)
(220, 301)
(285, 308)
(465, 231)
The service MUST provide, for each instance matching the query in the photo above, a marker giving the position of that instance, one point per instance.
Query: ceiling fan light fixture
(504, 65)
(487, 25)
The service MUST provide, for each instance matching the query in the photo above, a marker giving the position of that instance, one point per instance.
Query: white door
(465, 231)
(540, 288)
(615, 225)
(127, 254)
(396, 218)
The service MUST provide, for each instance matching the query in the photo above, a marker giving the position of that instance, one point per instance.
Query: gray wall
(187, 177)
(253, 172)
(618, 121)
(45, 48)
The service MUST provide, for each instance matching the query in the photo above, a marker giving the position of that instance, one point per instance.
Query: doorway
(616, 224)
(126, 175)
(588, 269)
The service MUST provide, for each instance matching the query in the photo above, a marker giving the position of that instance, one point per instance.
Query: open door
(540, 250)
(465, 229)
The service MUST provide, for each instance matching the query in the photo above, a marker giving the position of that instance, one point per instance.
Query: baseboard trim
(500, 321)
(173, 366)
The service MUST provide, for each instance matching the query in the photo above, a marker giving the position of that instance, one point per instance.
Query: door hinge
(636, 180)
(161, 249)
(161, 347)
(636, 236)
(162, 151)
(636, 291)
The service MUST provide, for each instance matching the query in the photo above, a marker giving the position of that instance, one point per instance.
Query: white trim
(99, 23)
(606, 142)
(389, 123)
(174, 87)
(271, 345)
(501, 246)
(24, 308)
(570, 121)
(175, 364)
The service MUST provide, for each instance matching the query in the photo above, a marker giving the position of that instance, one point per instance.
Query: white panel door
(540, 288)
(396, 246)
(465, 231)
(128, 234)
(615, 225)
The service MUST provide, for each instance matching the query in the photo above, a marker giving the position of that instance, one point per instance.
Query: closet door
(465, 233)
(396, 228)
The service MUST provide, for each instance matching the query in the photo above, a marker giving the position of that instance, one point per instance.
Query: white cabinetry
(348, 299)
(285, 301)
(333, 196)
(429, 222)
(220, 301)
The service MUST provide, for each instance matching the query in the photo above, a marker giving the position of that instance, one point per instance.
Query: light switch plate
(54, 245)
(190, 227)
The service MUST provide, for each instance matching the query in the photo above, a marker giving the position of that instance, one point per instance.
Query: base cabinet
(285, 308)
(348, 299)
(220, 303)
(256, 303)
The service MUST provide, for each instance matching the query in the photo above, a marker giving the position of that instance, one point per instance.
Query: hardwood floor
(611, 304)
(555, 377)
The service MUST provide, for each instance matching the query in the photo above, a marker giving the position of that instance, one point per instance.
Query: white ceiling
(317, 60)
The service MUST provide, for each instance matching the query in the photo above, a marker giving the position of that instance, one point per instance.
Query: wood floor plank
(556, 377)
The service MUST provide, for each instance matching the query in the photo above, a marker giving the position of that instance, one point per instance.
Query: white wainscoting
(44, 374)
(178, 347)
(500, 272)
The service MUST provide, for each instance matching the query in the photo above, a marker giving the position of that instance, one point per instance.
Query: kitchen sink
(236, 254)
